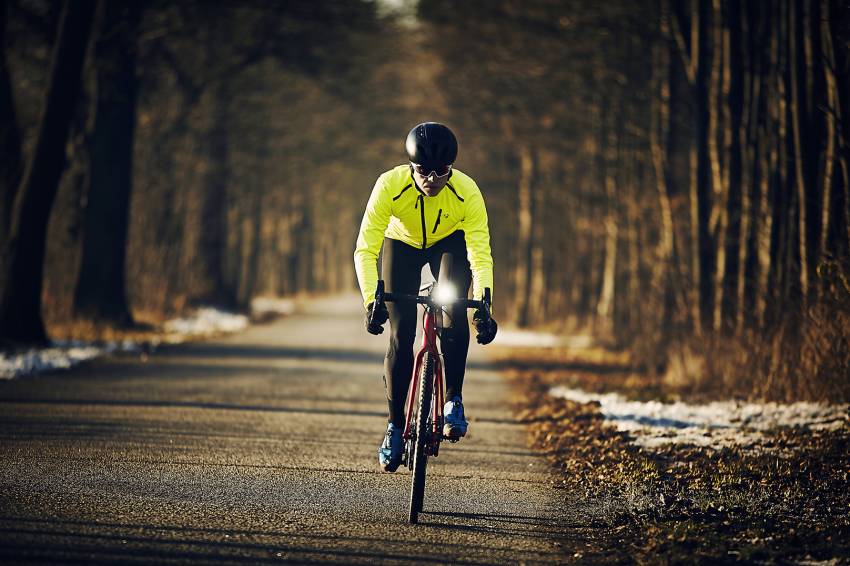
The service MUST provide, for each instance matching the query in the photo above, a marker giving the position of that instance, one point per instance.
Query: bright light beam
(446, 294)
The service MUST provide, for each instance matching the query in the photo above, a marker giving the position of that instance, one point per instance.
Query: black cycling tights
(401, 269)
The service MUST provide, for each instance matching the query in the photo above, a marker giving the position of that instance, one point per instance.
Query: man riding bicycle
(416, 221)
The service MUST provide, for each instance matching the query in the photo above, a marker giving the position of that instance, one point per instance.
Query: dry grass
(806, 358)
(147, 329)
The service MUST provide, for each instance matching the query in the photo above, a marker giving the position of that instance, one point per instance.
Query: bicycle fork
(429, 345)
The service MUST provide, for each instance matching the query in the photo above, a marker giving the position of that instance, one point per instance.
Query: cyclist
(418, 211)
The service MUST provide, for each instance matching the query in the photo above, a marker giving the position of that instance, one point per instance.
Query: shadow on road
(104, 542)
(218, 350)
(194, 405)
(501, 524)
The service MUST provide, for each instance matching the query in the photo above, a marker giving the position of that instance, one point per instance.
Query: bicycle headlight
(446, 294)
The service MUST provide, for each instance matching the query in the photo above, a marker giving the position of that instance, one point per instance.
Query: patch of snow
(62, 354)
(67, 354)
(38, 360)
(716, 424)
(206, 321)
(127, 346)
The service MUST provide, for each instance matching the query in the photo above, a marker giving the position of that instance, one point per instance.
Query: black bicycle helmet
(431, 145)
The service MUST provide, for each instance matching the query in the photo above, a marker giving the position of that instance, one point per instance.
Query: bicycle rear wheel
(423, 437)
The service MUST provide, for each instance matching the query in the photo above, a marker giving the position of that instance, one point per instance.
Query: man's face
(429, 180)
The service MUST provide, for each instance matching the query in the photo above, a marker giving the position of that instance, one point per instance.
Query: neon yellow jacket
(398, 210)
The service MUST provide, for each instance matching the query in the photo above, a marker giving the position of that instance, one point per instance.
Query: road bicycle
(423, 429)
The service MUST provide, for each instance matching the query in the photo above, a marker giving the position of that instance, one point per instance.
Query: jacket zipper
(421, 200)
(437, 223)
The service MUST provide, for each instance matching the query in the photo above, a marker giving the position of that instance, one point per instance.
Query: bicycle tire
(420, 453)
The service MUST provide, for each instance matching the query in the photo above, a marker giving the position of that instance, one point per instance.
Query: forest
(671, 177)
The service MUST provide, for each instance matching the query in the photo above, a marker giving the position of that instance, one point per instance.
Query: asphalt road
(261, 447)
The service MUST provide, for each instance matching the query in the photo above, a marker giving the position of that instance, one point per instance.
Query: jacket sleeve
(477, 235)
(369, 240)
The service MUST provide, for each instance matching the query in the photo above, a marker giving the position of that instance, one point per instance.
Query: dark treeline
(210, 152)
(671, 176)
(674, 176)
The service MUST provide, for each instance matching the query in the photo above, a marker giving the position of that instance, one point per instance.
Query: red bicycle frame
(429, 344)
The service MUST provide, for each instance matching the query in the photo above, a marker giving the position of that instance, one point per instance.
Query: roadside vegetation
(782, 499)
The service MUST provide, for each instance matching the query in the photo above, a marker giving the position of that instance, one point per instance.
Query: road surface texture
(261, 447)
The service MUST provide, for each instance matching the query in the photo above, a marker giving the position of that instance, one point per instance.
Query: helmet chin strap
(413, 178)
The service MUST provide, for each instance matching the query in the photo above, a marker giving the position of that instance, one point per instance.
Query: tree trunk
(604, 307)
(734, 100)
(538, 296)
(702, 251)
(10, 137)
(768, 287)
(663, 278)
(305, 275)
(816, 117)
(213, 229)
(636, 301)
(781, 205)
(755, 184)
(833, 114)
(537, 275)
(525, 216)
(605, 304)
(839, 17)
(22, 266)
(717, 132)
(100, 293)
(797, 105)
(252, 261)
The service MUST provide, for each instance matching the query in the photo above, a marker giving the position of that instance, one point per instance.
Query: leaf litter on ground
(768, 483)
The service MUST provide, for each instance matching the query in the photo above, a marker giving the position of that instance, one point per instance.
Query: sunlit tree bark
(717, 153)
(525, 241)
(734, 100)
(797, 106)
(605, 303)
(695, 54)
(659, 134)
(537, 280)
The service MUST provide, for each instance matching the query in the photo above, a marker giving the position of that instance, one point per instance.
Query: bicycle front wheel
(423, 437)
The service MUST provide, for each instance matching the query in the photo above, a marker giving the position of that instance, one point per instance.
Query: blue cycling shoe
(455, 421)
(392, 448)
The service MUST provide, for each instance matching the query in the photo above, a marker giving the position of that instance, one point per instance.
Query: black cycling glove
(376, 325)
(485, 327)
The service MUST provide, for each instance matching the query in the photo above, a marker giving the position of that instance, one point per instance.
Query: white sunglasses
(442, 172)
